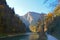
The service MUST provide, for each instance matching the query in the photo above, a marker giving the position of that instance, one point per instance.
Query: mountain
(31, 18)
(9, 21)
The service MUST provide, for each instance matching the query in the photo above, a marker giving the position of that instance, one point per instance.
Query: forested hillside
(54, 25)
(9, 21)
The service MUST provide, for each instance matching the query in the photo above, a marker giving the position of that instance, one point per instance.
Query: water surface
(28, 36)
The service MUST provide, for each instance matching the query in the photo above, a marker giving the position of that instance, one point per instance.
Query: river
(28, 36)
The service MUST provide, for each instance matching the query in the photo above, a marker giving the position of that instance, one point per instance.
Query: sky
(23, 6)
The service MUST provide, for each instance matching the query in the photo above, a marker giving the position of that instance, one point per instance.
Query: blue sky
(23, 6)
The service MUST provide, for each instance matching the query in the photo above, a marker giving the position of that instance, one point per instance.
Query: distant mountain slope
(31, 18)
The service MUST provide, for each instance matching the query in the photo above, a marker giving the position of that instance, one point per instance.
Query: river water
(28, 36)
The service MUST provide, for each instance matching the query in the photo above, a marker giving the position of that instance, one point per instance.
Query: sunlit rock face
(31, 18)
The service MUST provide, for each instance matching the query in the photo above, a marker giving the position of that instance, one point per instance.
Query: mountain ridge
(31, 17)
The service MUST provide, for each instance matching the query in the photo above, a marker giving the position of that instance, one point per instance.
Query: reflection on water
(33, 36)
(27, 36)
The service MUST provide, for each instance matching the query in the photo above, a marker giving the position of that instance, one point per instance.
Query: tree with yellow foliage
(57, 11)
(54, 26)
